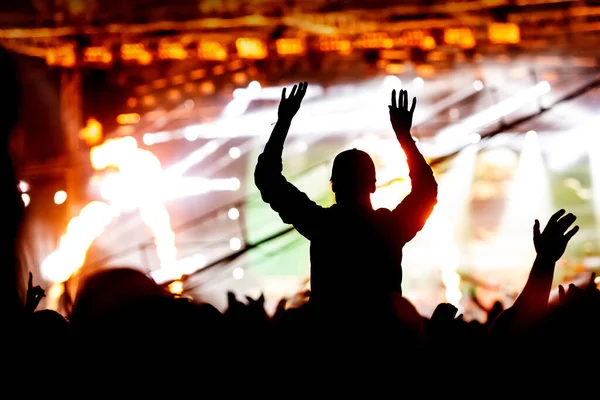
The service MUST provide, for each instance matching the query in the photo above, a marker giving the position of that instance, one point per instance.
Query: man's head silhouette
(353, 177)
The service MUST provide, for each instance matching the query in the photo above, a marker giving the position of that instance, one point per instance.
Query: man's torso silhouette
(355, 252)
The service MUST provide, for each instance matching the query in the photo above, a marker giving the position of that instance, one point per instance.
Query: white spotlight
(238, 273)
(190, 135)
(418, 82)
(233, 213)
(235, 152)
(478, 85)
(23, 186)
(148, 139)
(391, 82)
(60, 197)
(235, 244)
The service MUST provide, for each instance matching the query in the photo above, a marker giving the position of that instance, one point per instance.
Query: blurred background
(142, 122)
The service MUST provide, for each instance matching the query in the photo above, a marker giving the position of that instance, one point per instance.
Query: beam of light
(455, 135)
(194, 158)
(569, 146)
(449, 217)
(593, 144)
(274, 93)
(139, 182)
(185, 266)
(345, 108)
(529, 198)
(391, 167)
(357, 123)
(142, 180)
(81, 231)
(421, 117)
(193, 186)
(363, 109)
(242, 100)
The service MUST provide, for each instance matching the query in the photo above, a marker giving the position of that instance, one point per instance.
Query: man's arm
(532, 303)
(415, 209)
(293, 206)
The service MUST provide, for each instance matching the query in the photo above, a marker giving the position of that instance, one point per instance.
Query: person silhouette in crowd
(11, 304)
(353, 246)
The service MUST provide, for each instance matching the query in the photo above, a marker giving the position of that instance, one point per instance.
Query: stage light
(149, 139)
(392, 82)
(176, 287)
(418, 82)
(60, 197)
(23, 186)
(233, 213)
(235, 244)
(478, 85)
(26, 199)
(190, 135)
(235, 153)
(238, 273)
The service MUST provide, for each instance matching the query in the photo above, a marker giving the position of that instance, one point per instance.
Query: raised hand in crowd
(532, 304)
(576, 293)
(551, 243)
(415, 209)
(289, 106)
(401, 116)
(35, 294)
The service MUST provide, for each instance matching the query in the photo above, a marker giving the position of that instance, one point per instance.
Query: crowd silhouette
(123, 327)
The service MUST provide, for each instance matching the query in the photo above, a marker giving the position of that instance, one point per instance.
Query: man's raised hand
(288, 107)
(35, 294)
(400, 115)
(552, 242)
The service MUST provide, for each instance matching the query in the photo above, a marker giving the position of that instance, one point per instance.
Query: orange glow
(252, 48)
(211, 50)
(172, 51)
(92, 132)
(412, 38)
(63, 56)
(136, 52)
(462, 37)
(504, 33)
(428, 43)
(425, 70)
(99, 54)
(332, 43)
(375, 40)
(126, 119)
(176, 287)
(197, 74)
(207, 88)
(290, 46)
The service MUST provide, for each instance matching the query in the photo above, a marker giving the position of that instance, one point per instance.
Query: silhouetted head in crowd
(48, 325)
(105, 292)
(353, 178)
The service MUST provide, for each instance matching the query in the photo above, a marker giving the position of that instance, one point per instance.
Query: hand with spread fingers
(551, 243)
(288, 107)
(400, 115)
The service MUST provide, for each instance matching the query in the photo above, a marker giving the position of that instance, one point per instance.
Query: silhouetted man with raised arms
(356, 251)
